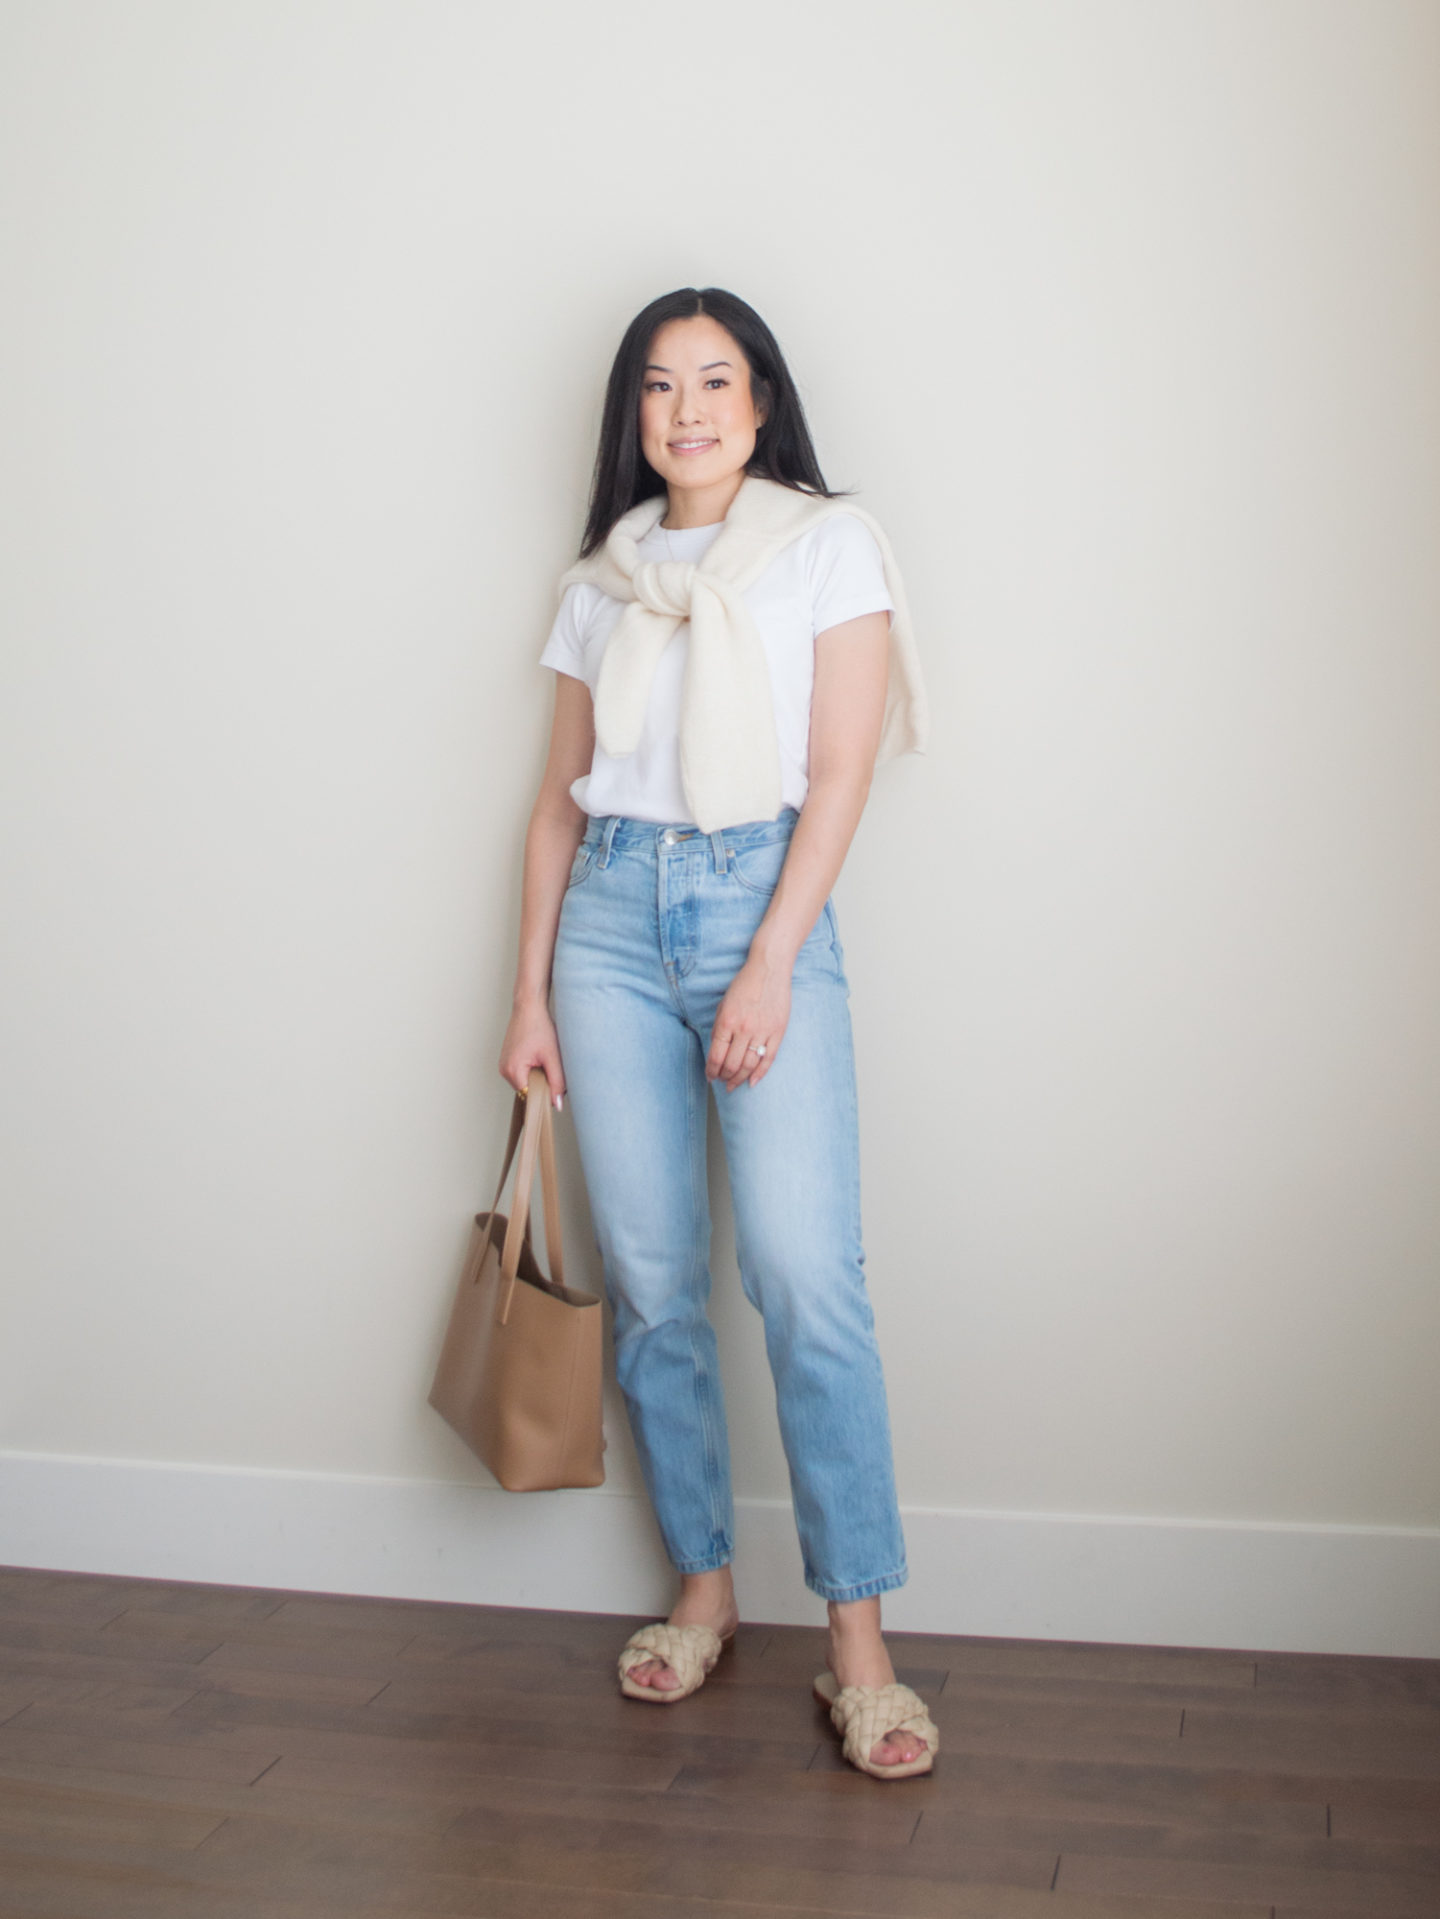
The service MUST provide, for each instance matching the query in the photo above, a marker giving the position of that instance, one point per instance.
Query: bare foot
(706, 1599)
(858, 1658)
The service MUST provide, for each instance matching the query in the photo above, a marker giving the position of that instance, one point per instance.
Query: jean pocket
(758, 867)
(831, 926)
(582, 864)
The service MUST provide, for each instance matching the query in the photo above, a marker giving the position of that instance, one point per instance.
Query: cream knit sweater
(729, 758)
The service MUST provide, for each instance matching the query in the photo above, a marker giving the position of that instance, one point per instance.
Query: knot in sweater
(665, 586)
(729, 755)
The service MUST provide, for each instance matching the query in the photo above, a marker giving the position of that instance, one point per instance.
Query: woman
(726, 671)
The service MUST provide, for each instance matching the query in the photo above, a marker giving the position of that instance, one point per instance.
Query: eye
(717, 380)
(656, 386)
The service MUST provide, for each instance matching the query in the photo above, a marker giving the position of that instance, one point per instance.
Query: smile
(692, 446)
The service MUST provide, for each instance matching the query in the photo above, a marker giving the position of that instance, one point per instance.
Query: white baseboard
(1257, 1587)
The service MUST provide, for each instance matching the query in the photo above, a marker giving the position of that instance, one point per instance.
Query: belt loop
(718, 848)
(607, 839)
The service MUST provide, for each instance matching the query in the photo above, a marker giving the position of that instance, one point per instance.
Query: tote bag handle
(532, 1126)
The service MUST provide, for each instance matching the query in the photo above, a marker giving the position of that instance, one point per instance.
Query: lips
(692, 446)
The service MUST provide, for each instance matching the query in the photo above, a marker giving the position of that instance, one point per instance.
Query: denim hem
(711, 1565)
(867, 1589)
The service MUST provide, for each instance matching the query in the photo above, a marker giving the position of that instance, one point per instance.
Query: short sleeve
(565, 648)
(846, 572)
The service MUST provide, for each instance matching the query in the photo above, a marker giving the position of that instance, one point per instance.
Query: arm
(846, 716)
(556, 828)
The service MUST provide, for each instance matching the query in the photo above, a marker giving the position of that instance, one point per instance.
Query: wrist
(529, 999)
(772, 951)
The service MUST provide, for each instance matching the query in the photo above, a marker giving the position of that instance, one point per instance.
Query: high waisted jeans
(655, 925)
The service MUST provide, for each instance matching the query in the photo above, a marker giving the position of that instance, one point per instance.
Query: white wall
(1122, 315)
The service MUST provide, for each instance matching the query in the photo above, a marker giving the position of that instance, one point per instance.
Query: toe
(654, 1673)
(897, 1749)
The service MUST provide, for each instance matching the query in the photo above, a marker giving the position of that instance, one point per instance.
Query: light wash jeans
(655, 925)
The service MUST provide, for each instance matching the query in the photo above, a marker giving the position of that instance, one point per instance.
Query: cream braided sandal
(689, 1651)
(866, 1714)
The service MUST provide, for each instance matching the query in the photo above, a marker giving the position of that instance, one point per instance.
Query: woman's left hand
(753, 1014)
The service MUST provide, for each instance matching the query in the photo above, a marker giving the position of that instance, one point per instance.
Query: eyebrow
(652, 368)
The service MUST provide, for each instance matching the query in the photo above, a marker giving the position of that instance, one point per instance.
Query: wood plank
(1390, 1825)
(541, 1667)
(1301, 1711)
(424, 1689)
(1240, 1706)
(45, 1592)
(88, 1610)
(675, 1867)
(593, 1854)
(1391, 1895)
(20, 1633)
(967, 1776)
(126, 1705)
(337, 1660)
(304, 1688)
(1377, 1790)
(1333, 1679)
(45, 1898)
(340, 1612)
(14, 1700)
(1241, 1749)
(279, 1862)
(27, 1807)
(1129, 1796)
(596, 1633)
(596, 1703)
(1240, 1845)
(185, 1628)
(1288, 1911)
(614, 1728)
(1033, 1660)
(137, 1754)
(100, 1889)
(431, 1770)
(428, 1812)
(788, 1890)
(625, 1818)
(1387, 1743)
(18, 1666)
(256, 1728)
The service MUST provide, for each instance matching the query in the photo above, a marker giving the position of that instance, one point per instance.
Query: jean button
(670, 839)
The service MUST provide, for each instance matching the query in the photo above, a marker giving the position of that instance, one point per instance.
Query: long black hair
(784, 450)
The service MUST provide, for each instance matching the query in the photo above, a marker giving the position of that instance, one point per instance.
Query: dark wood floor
(171, 1750)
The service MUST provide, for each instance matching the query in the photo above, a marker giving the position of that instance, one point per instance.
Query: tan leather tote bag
(520, 1370)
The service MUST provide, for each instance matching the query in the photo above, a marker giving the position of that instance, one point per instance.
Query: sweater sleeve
(845, 571)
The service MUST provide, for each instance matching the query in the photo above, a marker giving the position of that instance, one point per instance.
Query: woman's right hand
(530, 1041)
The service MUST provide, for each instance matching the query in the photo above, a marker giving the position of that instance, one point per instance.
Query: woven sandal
(689, 1651)
(864, 1715)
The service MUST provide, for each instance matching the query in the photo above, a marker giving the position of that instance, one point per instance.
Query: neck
(701, 505)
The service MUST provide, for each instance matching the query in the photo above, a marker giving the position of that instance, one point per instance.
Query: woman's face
(698, 419)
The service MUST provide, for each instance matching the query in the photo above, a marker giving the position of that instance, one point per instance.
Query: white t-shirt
(830, 574)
